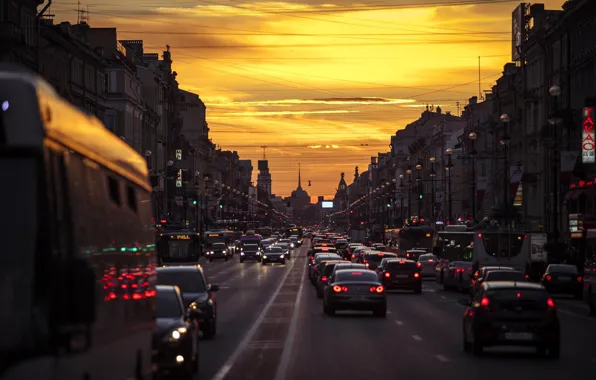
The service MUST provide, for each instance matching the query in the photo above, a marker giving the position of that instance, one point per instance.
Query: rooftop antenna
(264, 147)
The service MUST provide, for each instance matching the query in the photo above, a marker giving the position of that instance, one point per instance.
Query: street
(272, 326)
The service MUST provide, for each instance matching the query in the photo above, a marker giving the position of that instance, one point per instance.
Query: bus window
(503, 244)
(178, 248)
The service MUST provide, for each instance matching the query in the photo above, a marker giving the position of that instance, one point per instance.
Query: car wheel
(263, 262)
(226, 258)
(418, 290)
(460, 285)
(283, 262)
(328, 310)
(554, 351)
(319, 293)
(467, 345)
(380, 312)
(241, 260)
(477, 348)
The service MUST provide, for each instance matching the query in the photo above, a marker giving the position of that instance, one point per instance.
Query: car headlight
(264, 257)
(282, 256)
(292, 245)
(177, 334)
(241, 253)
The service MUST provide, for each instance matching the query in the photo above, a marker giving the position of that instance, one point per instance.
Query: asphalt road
(272, 327)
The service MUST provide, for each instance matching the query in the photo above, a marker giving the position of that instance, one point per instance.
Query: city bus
(486, 248)
(211, 237)
(419, 237)
(294, 231)
(178, 247)
(77, 272)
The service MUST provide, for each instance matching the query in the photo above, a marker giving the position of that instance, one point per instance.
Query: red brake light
(353, 256)
(419, 265)
(381, 254)
(324, 278)
(387, 274)
(367, 265)
(550, 302)
(356, 273)
(402, 262)
(416, 275)
(484, 302)
(579, 278)
(407, 255)
(337, 289)
(548, 278)
(380, 289)
(527, 276)
(430, 260)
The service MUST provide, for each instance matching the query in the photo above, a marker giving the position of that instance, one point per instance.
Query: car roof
(512, 285)
(180, 268)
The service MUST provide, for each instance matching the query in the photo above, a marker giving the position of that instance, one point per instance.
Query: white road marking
(442, 358)
(284, 362)
(223, 371)
(225, 287)
(443, 297)
(416, 337)
(399, 323)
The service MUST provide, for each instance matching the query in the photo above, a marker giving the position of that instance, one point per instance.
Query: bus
(211, 237)
(486, 248)
(294, 231)
(78, 247)
(419, 237)
(178, 247)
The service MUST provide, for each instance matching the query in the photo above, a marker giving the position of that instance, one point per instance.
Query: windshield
(18, 234)
(566, 269)
(274, 250)
(505, 276)
(378, 258)
(429, 258)
(168, 305)
(188, 281)
(250, 247)
(356, 276)
(219, 246)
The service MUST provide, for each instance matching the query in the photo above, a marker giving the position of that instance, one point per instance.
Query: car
(319, 248)
(480, 275)
(351, 289)
(296, 240)
(414, 254)
(508, 313)
(250, 251)
(313, 264)
(563, 278)
(378, 247)
(372, 259)
(197, 293)
(274, 254)
(323, 275)
(176, 336)
(429, 263)
(217, 251)
(286, 248)
(401, 274)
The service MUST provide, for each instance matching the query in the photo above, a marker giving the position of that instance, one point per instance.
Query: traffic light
(420, 196)
(388, 205)
(194, 202)
(220, 206)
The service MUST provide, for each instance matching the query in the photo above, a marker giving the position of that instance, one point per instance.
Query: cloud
(338, 101)
(282, 113)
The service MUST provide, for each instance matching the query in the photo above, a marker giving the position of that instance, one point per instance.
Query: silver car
(429, 263)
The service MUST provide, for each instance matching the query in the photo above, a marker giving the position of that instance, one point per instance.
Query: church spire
(299, 179)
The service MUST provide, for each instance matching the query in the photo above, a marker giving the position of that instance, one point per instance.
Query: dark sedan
(274, 254)
(372, 259)
(563, 278)
(197, 294)
(355, 290)
(218, 251)
(175, 341)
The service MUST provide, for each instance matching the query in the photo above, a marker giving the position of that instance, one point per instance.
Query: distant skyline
(323, 84)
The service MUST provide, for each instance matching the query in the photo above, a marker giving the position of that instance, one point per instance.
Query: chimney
(473, 100)
(439, 110)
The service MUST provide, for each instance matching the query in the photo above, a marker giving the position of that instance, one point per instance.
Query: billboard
(518, 30)
(588, 144)
(327, 204)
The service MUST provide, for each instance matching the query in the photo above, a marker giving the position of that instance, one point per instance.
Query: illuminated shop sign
(588, 143)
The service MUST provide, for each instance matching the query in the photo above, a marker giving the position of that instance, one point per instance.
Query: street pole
(450, 194)
(473, 189)
(555, 92)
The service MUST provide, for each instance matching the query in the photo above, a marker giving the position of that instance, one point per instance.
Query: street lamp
(448, 170)
(473, 136)
(432, 174)
(409, 172)
(505, 140)
(401, 198)
(555, 119)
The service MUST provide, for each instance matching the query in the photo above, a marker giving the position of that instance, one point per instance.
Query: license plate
(564, 279)
(401, 276)
(359, 298)
(519, 336)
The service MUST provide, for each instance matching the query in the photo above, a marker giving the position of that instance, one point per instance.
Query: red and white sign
(588, 142)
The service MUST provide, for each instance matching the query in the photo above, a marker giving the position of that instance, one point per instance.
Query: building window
(113, 82)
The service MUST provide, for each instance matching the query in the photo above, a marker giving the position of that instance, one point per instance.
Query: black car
(480, 275)
(218, 251)
(250, 252)
(563, 278)
(197, 294)
(355, 290)
(176, 338)
(313, 265)
(324, 273)
(511, 313)
(401, 274)
(274, 254)
(373, 259)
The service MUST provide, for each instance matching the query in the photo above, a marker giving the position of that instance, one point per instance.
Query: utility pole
(264, 147)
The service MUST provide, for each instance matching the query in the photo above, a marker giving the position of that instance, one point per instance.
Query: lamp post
(420, 187)
(473, 136)
(393, 201)
(409, 171)
(504, 141)
(401, 198)
(448, 171)
(433, 199)
(555, 93)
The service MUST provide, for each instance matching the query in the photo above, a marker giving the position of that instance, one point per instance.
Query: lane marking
(442, 358)
(443, 297)
(399, 323)
(289, 344)
(416, 337)
(223, 371)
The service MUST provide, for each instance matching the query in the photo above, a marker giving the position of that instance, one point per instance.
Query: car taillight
(324, 278)
(353, 256)
(527, 276)
(472, 281)
(387, 274)
(337, 289)
(549, 277)
(579, 279)
(367, 265)
(484, 302)
(407, 255)
(416, 275)
(550, 303)
(419, 265)
(377, 289)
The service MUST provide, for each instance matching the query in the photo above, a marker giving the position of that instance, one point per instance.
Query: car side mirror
(213, 288)
(464, 302)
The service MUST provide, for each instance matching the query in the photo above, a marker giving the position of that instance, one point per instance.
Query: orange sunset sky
(323, 83)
